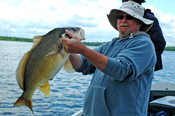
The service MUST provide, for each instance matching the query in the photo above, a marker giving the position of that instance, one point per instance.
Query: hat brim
(112, 17)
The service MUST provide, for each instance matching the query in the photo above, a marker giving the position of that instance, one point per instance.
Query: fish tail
(21, 102)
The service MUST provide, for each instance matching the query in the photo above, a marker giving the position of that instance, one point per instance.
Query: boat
(79, 113)
(164, 98)
(162, 103)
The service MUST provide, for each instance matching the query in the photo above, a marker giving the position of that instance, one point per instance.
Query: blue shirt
(123, 87)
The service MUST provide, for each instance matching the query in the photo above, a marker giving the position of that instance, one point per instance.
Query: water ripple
(65, 98)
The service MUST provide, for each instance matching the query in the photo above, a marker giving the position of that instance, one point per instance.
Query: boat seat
(166, 104)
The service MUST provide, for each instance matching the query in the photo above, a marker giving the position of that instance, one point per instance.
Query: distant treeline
(93, 43)
(7, 38)
(170, 48)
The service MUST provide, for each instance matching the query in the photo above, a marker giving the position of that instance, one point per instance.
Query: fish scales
(42, 63)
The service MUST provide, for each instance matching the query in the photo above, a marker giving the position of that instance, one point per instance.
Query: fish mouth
(82, 33)
(84, 38)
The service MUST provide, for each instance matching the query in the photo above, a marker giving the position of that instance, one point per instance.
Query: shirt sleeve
(86, 67)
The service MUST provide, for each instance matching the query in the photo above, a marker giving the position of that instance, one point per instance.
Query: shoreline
(6, 38)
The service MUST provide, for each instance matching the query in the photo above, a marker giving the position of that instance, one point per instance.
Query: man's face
(126, 24)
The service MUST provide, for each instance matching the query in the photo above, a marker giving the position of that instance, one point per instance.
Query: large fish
(43, 62)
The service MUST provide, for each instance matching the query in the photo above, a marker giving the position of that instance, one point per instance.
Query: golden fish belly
(37, 74)
(44, 60)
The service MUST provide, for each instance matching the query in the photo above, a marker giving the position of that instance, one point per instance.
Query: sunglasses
(128, 17)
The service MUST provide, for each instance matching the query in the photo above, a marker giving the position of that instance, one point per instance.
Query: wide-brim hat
(139, 1)
(135, 10)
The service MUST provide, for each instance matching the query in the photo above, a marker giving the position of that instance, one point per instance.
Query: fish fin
(52, 52)
(68, 67)
(60, 47)
(21, 102)
(36, 40)
(45, 88)
(21, 69)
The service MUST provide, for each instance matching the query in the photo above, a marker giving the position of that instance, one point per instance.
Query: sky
(28, 18)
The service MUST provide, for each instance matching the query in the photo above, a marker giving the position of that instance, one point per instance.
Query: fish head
(79, 32)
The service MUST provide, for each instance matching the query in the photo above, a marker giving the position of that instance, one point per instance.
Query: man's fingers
(69, 33)
(63, 40)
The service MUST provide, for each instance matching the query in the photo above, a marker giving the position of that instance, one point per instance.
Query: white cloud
(167, 23)
(27, 18)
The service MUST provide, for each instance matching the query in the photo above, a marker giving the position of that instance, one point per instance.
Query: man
(156, 35)
(123, 67)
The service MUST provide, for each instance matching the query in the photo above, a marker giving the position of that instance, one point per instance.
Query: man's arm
(75, 61)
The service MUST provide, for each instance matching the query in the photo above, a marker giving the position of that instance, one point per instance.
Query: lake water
(64, 99)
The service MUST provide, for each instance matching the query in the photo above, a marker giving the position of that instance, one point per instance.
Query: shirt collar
(131, 35)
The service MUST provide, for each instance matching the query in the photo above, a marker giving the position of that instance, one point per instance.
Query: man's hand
(73, 45)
